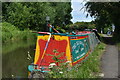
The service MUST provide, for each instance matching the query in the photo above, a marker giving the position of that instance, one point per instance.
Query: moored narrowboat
(71, 48)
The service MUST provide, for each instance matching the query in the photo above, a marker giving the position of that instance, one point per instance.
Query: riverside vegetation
(12, 33)
(89, 68)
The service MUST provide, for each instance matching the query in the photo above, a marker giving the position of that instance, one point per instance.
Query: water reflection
(15, 59)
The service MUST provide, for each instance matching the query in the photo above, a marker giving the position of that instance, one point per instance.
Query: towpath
(110, 59)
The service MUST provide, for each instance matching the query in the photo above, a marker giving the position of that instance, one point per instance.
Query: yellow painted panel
(37, 51)
(68, 53)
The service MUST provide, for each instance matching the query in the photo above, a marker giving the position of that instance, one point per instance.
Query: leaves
(33, 15)
(12, 33)
(105, 14)
(57, 55)
(80, 26)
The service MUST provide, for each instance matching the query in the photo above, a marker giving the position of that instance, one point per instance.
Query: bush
(12, 33)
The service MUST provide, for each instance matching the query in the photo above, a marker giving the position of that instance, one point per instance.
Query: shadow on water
(15, 59)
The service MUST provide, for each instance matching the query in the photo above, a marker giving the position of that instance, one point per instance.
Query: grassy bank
(90, 68)
(118, 44)
(12, 33)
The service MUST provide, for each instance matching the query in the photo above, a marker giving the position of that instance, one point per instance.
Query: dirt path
(110, 59)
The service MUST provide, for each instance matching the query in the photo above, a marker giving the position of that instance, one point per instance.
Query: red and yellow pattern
(60, 43)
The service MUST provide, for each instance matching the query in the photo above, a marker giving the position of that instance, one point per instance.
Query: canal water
(16, 57)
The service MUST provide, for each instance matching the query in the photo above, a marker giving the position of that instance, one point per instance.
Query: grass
(118, 44)
(12, 33)
(101, 34)
(90, 68)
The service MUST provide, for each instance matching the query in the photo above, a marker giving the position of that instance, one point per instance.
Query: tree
(105, 13)
(32, 15)
(80, 26)
(63, 10)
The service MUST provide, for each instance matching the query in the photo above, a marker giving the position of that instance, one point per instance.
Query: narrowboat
(71, 48)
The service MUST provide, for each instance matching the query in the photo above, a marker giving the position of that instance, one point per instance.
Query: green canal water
(16, 56)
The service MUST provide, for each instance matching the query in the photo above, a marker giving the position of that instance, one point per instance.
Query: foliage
(86, 25)
(80, 26)
(12, 33)
(33, 15)
(60, 67)
(106, 29)
(90, 68)
(105, 14)
(60, 29)
(56, 57)
(64, 9)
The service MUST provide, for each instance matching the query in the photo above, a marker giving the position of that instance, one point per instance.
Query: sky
(78, 14)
